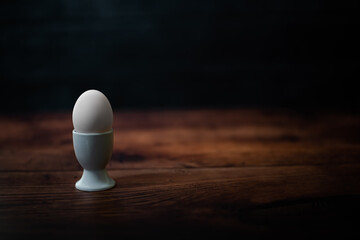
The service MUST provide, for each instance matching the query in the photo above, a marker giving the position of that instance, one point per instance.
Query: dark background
(179, 54)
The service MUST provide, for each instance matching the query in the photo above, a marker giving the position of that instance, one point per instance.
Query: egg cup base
(95, 180)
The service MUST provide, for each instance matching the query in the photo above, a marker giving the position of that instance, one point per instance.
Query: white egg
(92, 113)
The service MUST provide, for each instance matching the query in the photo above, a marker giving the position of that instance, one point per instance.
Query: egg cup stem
(95, 180)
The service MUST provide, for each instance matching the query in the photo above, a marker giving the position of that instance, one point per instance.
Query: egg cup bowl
(93, 151)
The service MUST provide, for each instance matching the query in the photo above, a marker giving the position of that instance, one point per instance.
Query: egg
(92, 113)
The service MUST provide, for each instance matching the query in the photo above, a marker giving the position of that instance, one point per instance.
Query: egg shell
(92, 113)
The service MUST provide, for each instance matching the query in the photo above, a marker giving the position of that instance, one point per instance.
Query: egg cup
(93, 151)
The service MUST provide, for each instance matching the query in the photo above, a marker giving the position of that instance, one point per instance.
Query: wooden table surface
(179, 173)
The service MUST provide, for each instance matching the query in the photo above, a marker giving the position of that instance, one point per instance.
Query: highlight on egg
(92, 113)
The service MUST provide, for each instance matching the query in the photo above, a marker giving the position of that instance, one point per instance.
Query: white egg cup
(93, 151)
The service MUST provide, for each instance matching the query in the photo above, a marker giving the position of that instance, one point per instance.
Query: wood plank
(186, 139)
(221, 199)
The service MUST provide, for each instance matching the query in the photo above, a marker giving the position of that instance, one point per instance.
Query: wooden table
(180, 173)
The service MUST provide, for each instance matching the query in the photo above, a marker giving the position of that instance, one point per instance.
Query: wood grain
(238, 172)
